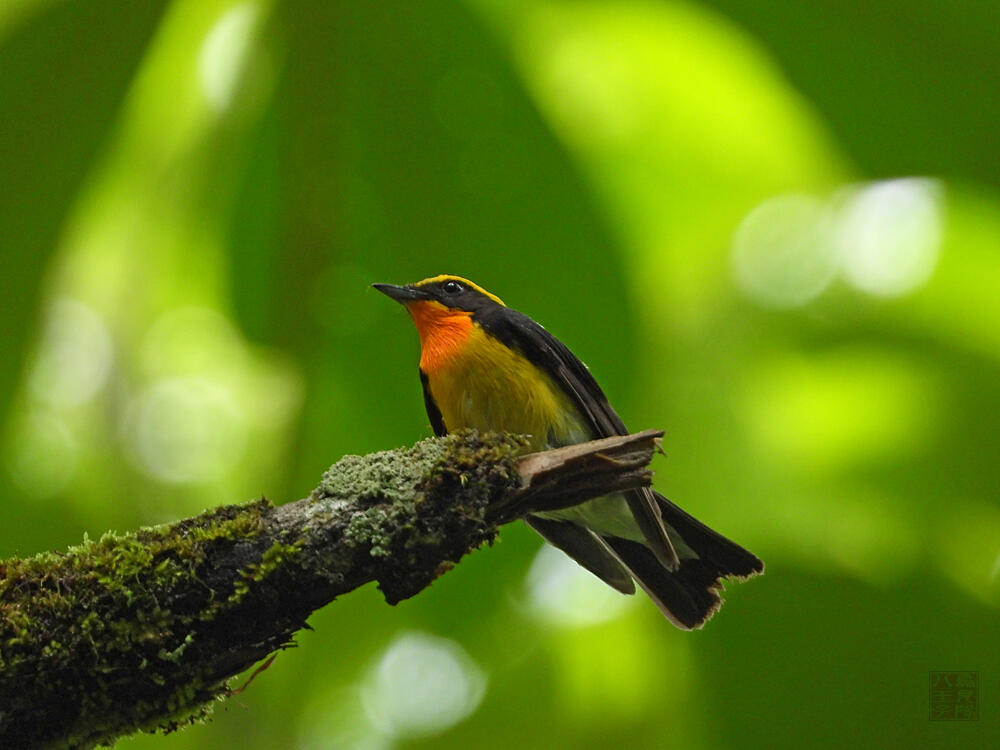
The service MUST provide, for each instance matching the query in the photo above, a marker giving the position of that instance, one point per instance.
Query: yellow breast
(490, 387)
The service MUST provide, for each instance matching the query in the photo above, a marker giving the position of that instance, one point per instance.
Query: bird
(487, 367)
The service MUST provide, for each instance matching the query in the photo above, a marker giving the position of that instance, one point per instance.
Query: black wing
(540, 347)
(433, 413)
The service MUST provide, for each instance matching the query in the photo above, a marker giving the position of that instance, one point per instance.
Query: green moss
(122, 633)
(123, 605)
(277, 555)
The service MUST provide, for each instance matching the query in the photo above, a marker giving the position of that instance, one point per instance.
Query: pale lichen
(422, 508)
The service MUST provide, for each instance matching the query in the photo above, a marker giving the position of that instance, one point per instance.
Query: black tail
(725, 555)
(689, 595)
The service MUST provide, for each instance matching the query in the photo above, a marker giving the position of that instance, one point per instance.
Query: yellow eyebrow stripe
(470, 284)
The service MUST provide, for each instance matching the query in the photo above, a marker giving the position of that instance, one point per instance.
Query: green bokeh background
(771, 228)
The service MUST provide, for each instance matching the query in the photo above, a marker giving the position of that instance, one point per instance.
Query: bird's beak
(402, 294)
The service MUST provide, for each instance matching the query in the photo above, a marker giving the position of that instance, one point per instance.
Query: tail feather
(724, 555)
(586, 548)
(689, 595)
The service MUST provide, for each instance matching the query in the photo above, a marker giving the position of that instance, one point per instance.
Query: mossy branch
(141, 631)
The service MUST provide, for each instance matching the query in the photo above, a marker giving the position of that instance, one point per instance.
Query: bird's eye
(452, 287)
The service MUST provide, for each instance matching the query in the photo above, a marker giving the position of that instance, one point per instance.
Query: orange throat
(443, 332)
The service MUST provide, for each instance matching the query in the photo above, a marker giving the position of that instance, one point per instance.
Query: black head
(453, 292)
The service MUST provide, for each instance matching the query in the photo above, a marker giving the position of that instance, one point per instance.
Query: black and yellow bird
(491, 368)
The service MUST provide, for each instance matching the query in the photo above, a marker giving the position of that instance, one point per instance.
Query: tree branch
(141, 631)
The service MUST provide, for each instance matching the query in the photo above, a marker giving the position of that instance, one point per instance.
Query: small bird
(488, 367)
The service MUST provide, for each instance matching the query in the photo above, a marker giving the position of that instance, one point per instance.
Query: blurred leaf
(64, 70)
(908, 87)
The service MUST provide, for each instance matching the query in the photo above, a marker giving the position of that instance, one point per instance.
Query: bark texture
(141, 631)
